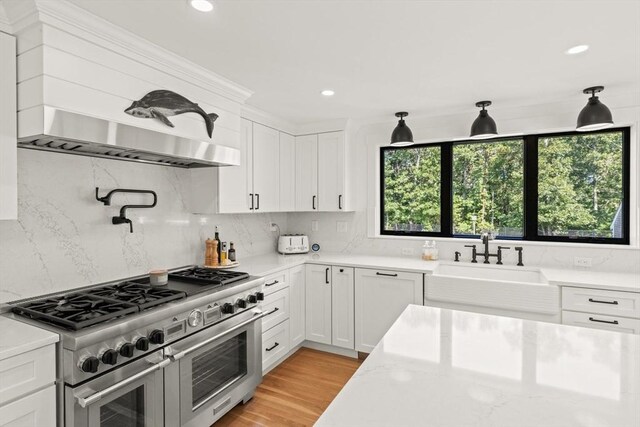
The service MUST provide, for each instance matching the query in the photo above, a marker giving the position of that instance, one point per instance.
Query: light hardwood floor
(296, 392)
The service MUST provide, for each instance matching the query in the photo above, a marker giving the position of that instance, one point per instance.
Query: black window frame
(530, 189)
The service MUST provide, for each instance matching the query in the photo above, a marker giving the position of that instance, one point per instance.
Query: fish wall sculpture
(160, 104)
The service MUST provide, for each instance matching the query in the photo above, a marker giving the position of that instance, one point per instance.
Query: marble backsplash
(64, 238)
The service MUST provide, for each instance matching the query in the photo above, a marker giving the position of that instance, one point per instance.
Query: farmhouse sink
(503, 287)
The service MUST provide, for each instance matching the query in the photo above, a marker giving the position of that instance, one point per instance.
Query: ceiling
(426, 57)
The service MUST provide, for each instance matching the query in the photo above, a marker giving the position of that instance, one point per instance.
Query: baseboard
(330, 349)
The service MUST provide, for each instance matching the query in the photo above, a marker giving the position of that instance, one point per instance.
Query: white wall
(64, 238)
(364, 142)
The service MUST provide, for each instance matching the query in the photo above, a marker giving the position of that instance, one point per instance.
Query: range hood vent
(73, 133)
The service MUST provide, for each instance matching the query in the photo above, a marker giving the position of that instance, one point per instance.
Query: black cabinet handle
(326, 275)
(611, 322)
(257, 201)
(273, 311)
(313, 202)
(251, 195)
(340, 202)
(386, 274)
(272, 347)
(603, 302)
(342, 270)
(272, 283)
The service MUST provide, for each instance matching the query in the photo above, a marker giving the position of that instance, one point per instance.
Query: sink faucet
(486, 236)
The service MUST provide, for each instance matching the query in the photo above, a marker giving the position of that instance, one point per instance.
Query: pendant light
(401, 135)
(595, 115)
(483, 126)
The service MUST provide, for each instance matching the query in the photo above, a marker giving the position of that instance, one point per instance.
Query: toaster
(293, 244)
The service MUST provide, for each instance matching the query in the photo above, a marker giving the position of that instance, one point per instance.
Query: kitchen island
(441, 367)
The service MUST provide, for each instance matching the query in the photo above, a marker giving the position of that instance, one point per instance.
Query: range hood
(73, 133)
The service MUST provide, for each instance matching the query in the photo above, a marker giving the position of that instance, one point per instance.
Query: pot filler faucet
(486, 237)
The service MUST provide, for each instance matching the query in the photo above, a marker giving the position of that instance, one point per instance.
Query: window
(412, 189)
(571, 187)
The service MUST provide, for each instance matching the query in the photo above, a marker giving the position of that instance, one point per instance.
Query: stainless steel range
(132, 354)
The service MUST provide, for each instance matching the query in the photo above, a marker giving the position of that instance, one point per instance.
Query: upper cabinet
(320, 172)
(264, 181)
(8, 129)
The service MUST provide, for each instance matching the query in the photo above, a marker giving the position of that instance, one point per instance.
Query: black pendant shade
(595, 115)
(483, 126)
(401, 135)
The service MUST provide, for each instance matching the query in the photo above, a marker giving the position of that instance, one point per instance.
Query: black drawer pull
(273, 311)
(326, 275)
(611, 322)
(272, 347)
(387, 274)
(272, 283)
(603, 302)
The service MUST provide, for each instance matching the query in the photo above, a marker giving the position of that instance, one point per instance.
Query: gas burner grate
(208, 276)
(143, 295)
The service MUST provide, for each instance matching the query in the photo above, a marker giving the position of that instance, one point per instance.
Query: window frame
(530, 189)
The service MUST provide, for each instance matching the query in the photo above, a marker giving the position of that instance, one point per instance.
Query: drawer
(601, 321)
(275, 344)
(276, 281)
(615, 303)
(24, 373)
(37, 409)
(278, 301)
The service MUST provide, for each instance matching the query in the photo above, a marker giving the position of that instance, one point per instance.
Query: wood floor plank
(295, 393)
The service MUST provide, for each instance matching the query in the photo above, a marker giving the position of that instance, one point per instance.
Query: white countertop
(263, 265)
(453, 368)
(17, 337)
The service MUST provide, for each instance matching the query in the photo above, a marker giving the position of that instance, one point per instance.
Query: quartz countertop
(453, 368)
(17, 337)
(263, 265)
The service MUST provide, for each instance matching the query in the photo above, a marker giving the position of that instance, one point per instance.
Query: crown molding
(257, 115)
(73, 19)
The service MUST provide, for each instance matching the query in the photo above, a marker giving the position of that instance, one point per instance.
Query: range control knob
(241, 303)
(126, 349)
(252, 299)
(142, 343)
(156, 337)
(195, 318)
(109, 357)
(228, 308)
(89, 364)
(260, 296)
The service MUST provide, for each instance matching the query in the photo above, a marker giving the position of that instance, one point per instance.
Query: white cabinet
(342, 307)
(320, 172)
(266, 169)
(318, 303)
(306, 173)
(37, 409)
(287, 173)
(329, 307)
(297, 305)
(380, 297)
(8, 129)
(331, 172)
(263, 182)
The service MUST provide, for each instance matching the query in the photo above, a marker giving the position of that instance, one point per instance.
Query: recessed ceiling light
(202, 5)
(577, 49)
(328, 92)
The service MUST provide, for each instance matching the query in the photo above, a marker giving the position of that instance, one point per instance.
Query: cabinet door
(287, 173)
(331, 186)
(342, 308)
(297, 305)
(8, 129)
(381, 295)
(235, 182)
(266, 164)
(307, 173)
(37, 409)
(318, 303)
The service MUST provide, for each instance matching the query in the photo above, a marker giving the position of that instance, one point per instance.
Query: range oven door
(213, 370)
(129, 396)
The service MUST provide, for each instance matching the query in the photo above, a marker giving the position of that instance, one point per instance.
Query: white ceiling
(426, 57)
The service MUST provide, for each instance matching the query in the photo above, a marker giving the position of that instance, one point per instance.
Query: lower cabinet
(275, 345)
(37, 409)
(380, 297)
(296, 305)
(330, 305)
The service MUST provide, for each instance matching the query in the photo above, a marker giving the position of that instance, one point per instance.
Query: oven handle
(86, 401)
(257, 315)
